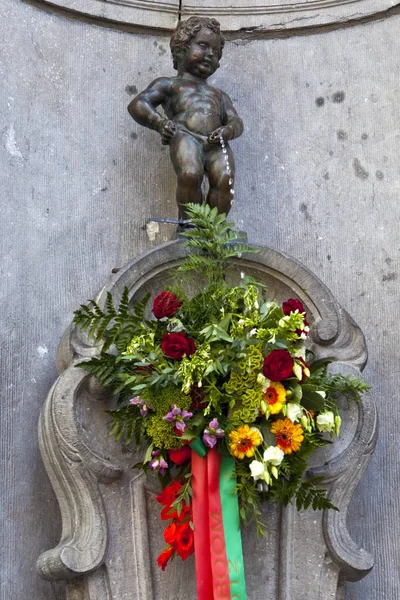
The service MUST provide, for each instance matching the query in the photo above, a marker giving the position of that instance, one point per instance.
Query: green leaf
(311, 399)
(297, 392)
(147, 456)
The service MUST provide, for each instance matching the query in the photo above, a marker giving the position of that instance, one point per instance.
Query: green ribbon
(231, 521)
(198, 446)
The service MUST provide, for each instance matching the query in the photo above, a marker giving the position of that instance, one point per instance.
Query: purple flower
(136, 401)
(212, 434)
(177, 416)
(173, 414)
(157, 462)
(144, 408)
(163, 465)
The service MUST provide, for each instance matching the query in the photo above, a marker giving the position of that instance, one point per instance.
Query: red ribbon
(219, 561)
(212, 572)
(204, 583)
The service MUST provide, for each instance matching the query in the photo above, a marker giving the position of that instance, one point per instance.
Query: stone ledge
(234, 15)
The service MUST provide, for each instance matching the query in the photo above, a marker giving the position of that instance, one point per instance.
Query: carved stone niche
(275, 15)
(111, 530)
(234, 15)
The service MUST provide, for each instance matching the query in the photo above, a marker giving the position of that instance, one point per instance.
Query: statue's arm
(143, 108)
(230, 117)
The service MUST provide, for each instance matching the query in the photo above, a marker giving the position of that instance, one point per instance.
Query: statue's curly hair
(186, 30)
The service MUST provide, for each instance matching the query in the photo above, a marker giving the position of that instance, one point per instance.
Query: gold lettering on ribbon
(234, 568)
(218, 549)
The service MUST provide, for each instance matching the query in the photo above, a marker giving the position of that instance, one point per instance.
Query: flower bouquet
(219, 390)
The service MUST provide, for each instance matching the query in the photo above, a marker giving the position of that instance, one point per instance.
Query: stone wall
(317, 178)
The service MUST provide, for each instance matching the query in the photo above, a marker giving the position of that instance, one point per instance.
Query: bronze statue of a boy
(199, 115)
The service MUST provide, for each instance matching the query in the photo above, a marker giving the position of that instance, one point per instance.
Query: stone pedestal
(112, 533)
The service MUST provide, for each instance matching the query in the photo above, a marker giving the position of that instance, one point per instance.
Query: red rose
(165, 304)
(176, 345)
(292, 305)
(278, 365)
(180, 456)
(164, 557)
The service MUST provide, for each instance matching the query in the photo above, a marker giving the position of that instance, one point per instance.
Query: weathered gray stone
(73, 449)
(162, 14)
(66, 136)
(262, 15)
(258, 15)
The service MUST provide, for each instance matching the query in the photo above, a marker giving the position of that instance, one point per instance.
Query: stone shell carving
(111, 528)
(233, 15)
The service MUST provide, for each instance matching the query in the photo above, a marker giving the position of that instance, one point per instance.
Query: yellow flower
(288, 435)
(275, 397)
(244, 441)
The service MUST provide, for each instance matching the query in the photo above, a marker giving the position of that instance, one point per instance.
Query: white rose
(294, 412)
(326, 421)
(257, 470)
(274, 455)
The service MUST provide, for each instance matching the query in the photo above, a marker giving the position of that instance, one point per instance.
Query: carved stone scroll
(111, 527)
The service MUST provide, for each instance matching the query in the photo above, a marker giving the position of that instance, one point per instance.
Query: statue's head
(188, 32)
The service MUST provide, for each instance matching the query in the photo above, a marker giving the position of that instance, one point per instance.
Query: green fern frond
(103, 368)
(213, 238)
(309, 494)
(113, 326)
(127, 424)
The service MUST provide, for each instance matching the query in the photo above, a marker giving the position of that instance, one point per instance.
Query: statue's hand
(214, 136)
(167, 130)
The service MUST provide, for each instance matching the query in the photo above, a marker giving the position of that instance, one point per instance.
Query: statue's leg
(187, 156)
(220, 173)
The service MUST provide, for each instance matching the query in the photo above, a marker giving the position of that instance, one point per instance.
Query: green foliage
(233, 329)
(103, 368)
(213, 241)
(184, 495)
(127, 424)
(113, 326)
(309, 494)
(291, 484)
(249, 498)
(337, 386)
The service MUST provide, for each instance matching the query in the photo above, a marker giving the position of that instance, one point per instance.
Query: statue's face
(202, 55)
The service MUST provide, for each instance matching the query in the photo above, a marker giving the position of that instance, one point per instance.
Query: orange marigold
(288, 435)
